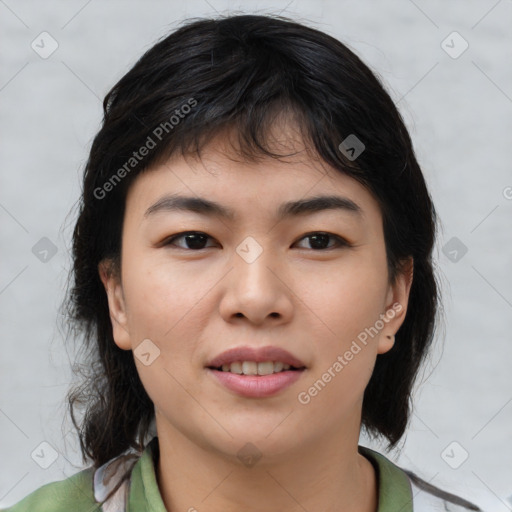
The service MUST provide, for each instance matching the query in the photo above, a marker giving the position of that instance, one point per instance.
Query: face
(312, 282)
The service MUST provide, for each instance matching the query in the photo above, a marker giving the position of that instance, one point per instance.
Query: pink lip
(259, 355)
(257, 386)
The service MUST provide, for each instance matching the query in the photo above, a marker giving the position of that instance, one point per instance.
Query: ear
(116, 304)
(396, 306)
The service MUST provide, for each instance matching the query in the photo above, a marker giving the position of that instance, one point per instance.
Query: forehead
(236, 186)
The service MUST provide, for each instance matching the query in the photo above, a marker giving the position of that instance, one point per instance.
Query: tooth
(250, 368)
(236, 368)
(286, 367)
(278, 366)
(225, 367)
(266, 368)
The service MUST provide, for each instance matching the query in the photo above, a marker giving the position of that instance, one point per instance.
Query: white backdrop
(455, 93)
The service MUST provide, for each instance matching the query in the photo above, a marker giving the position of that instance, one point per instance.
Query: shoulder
(90, 490)
(416, 494)
(74, 493)
(428, 497)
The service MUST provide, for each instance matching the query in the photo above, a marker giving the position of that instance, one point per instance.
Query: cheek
(168, 305)
(348, 303)
(164, 306)
(347, 306)
(347, 299)
(161, 299)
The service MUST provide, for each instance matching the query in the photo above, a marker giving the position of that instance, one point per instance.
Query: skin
(194, 304)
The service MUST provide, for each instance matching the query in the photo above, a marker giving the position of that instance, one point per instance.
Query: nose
(258, 291)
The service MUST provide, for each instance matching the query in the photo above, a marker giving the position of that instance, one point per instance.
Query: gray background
(459, 113)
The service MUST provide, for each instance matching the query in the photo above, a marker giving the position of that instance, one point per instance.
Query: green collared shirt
(76, 493)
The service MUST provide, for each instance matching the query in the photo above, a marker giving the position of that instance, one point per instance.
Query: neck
(328, 475)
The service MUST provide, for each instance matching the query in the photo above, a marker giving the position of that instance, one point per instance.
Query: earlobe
(386, 343)
(116, 304)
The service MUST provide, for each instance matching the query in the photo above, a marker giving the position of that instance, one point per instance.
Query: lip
(258, 355)
(256, 386)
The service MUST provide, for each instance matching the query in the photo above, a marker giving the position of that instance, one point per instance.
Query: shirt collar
(395, 494)
(144, 493)
(394, 487)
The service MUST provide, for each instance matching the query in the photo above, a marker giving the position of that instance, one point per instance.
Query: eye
(194, 240)
(319, 240)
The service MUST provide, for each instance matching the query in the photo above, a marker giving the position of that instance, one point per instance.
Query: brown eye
(194, 240)
(320, 240)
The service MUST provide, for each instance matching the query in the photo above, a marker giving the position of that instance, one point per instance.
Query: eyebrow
(175, 202)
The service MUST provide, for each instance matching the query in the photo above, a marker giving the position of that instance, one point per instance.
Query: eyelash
(340, 242)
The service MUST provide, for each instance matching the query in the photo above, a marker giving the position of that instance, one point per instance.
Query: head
(250, 112)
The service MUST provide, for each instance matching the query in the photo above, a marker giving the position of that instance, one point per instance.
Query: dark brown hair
(239, 72)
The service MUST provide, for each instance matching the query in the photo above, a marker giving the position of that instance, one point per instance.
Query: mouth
(255, 361)
(256, 368)
(256, 372)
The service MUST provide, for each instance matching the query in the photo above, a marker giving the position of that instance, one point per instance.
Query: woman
(253, 277)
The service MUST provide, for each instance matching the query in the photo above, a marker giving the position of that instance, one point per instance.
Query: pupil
(195, 240)
(314, 239)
